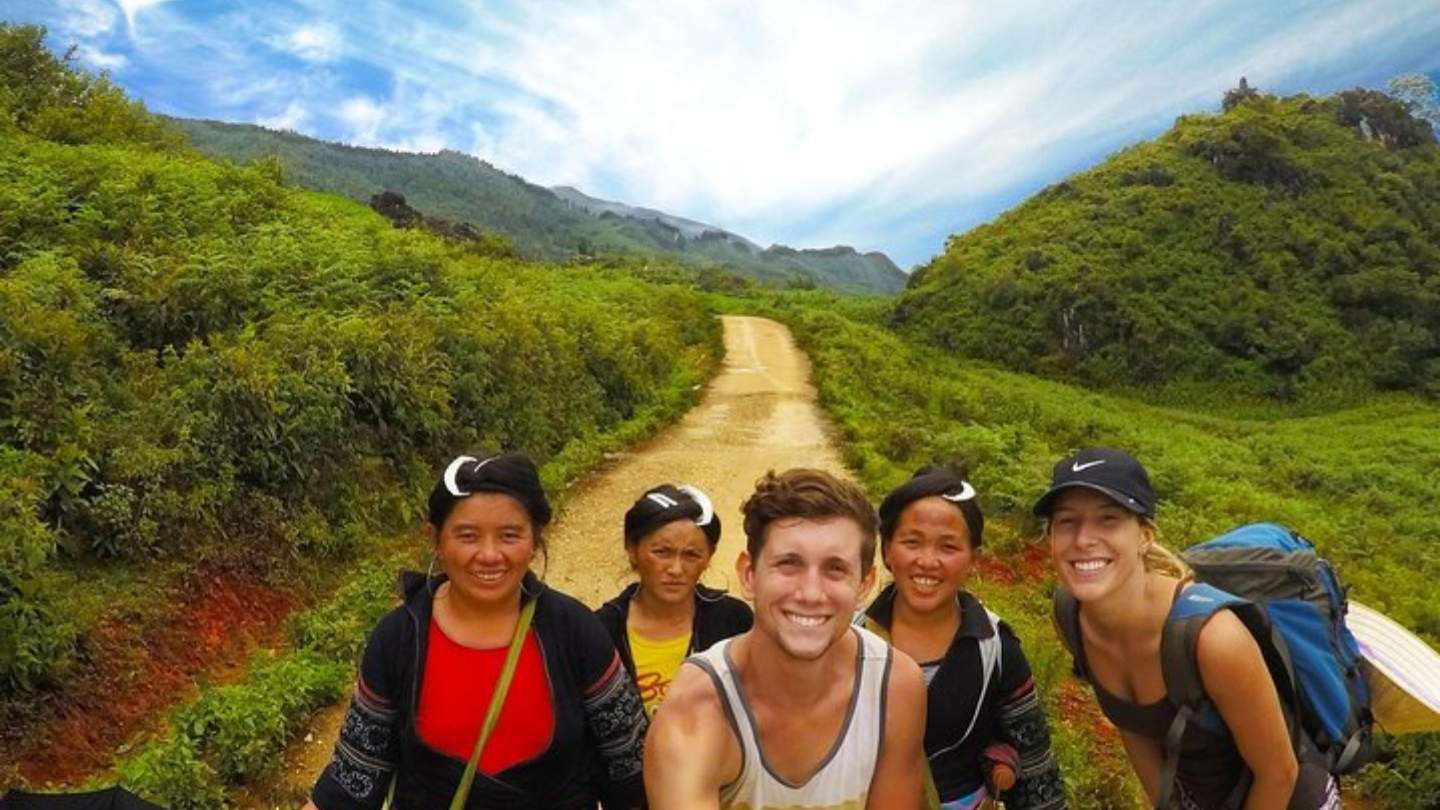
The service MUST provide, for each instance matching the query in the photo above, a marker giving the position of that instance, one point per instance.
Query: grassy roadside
(236, 733)
(1358, 481)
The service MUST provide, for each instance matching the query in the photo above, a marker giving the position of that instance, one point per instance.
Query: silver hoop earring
(430, 572)
(531, 594)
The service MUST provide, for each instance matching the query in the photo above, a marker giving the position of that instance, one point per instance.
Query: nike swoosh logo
(1078, 467)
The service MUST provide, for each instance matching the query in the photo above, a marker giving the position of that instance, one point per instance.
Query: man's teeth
(488, 576)
(1090, 565)
(805, 621)
(926, 582)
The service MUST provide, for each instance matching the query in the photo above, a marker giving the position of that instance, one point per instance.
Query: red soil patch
(1078, 707)
(1034, 562)
(1030, 565)
(138, 669)
(993, 569)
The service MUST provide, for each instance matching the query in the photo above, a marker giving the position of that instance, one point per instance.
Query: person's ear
(867, 583)
(745, 570)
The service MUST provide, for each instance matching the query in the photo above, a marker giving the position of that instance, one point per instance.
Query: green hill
(202, 368)
(1285, 247)
(543, 223)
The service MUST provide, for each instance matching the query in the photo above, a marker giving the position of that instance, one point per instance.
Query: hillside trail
(759, 413)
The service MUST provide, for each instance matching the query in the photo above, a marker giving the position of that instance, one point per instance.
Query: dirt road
(759, 413)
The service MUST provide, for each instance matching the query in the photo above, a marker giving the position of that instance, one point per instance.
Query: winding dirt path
(758, 414)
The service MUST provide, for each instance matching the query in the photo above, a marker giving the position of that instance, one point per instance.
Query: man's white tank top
(842, 780)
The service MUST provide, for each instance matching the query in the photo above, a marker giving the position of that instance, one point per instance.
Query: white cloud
(99, 59)
(364, 117)
(315, 42)
(294, 116)
(132, 8)
(87, 18)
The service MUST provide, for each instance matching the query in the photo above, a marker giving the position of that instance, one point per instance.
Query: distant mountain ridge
(544, 223)
(688, 227)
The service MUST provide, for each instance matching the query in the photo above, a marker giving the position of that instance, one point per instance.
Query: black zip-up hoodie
(595, 753)
(1011, 712)
(718, 616)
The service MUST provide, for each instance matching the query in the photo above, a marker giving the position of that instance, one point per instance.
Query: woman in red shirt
(571, 728)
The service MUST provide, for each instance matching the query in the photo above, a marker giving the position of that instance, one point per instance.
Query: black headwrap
(662, 504)
(926, 482)
(512, 474)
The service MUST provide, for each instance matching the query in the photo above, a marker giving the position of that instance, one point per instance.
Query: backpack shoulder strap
(1067, 625)
(1180, 641)
(1180, 669)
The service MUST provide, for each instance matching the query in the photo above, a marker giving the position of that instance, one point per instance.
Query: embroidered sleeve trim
(616, 717)
(364, 756)
(1037, 781)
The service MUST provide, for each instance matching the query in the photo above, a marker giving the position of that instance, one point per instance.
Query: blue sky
(882, 125)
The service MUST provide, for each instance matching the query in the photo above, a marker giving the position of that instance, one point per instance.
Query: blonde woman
(1100, 523)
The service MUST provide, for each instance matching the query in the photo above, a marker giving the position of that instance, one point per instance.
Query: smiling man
(805, 711)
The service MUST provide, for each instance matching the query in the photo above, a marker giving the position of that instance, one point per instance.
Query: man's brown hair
(810, 494)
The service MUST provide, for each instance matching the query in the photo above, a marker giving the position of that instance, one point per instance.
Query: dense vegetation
(1364, 493)
(200, 363)
(542, 223)
(1285, 247)
(235, 734)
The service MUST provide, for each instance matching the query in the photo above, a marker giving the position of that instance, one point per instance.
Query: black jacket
(718, 616)
(1011, 712)
(599, 732)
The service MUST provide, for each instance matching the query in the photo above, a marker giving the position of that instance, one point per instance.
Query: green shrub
(1410, 781)
(337, 629)
(36, 643)
(174, 776)
(243, 728)
(205, 363)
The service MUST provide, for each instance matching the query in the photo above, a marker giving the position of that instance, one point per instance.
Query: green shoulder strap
(497, 700)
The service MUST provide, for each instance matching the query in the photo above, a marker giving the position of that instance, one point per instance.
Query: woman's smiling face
(1096, 543)
(485, 547)
(930, 554)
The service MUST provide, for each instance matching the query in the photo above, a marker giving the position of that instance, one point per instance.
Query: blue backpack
(1290, 599)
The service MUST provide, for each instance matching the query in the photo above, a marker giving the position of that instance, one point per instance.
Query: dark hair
(512, 474)
(807, 493)
(667, 503)
(931, 480)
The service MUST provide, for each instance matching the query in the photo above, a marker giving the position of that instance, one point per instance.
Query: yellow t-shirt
(656, 662)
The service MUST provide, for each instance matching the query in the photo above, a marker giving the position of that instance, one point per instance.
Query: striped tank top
(842, 780)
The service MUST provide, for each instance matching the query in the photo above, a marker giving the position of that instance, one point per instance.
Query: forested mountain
(1288, 247)
(541, 222)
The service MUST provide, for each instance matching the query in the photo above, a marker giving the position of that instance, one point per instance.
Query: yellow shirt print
(656, 662)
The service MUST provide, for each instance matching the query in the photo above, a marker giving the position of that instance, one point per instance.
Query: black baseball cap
(1114, 473)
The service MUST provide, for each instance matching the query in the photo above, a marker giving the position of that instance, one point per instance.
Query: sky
(881, 125)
